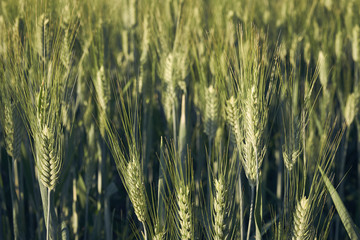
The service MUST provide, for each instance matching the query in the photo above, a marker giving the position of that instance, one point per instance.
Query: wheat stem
(48, 214)
(174, 124)
(251, 211)
(241, 205)
(145, 233)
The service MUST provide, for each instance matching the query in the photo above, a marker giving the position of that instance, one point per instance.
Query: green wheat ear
(136, 189)
(233, 120)
(219, 208)
(49, 162)
(301, 226)
(185, 213)
(211, 112)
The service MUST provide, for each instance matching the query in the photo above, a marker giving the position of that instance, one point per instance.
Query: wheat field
(180, 119)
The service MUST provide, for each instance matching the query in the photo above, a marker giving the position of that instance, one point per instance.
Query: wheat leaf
(345, 217)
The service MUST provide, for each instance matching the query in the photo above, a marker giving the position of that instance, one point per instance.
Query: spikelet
(356, 43)
(301, 226)
(290, 156)
(136, 189)
(219, 208)
(291, 149)
(185, 213)
(351, 108)
(49, 162)
(233, 119)
(158, 235)
(211, 112)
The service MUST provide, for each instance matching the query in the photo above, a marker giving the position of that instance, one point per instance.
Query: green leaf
(348, 223)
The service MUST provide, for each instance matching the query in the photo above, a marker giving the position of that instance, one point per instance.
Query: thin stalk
(161, 214)
(174, 125)
(86, 214)
(257, 189)
(241, 204)
(304, 150)
(209, 186)
(74, 212)
(241, 208)
(145, 233)
(48, 214)
(251, 211)
(358, 165)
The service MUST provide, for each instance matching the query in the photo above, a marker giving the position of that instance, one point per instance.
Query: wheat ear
(219, 208)
(233, 119)
(185, 213)
(301, 220)
(211, 112)
(136, 189)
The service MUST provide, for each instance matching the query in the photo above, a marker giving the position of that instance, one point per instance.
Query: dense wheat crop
(179, 119)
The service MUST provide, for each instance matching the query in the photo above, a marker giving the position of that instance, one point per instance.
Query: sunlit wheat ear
(290, 156)
(42, 45)
(351, 108)
(233, 119)
(136, 189)
(170, 85)
(102, 89)
(323, 70)
(339, 44)
(211, 112)
(9, 128)
(65, 54)
(49, 161)
(301, 226)
(219, 208)
(144, 51)
(185, 213)
(291, 149)
(356, 43)
(158, 235)
(253, 150)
